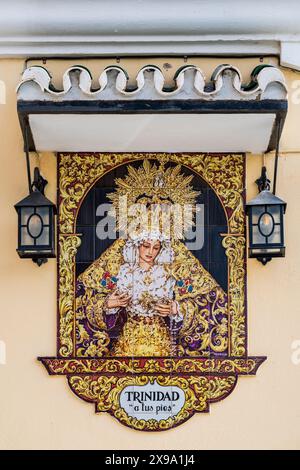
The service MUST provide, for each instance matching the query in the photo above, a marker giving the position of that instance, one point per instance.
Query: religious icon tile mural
(152, 321)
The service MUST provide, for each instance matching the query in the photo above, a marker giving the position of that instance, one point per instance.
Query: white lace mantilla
(146, 289)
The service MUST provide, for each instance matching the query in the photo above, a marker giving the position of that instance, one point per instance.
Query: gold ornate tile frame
(203, 380)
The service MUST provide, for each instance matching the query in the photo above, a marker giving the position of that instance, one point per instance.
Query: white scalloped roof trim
(265, 77)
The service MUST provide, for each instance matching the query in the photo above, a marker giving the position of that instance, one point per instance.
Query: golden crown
(152, 185)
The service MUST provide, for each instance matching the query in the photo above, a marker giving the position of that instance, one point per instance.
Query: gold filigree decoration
(91, 302)
(218, 387)
(111, 365)
(235, 252)
(78, 172)
(68, 247)
(208, 324)
(105, 392)
(100, 380)
(207, 317)
(225, 173)
(153, 186)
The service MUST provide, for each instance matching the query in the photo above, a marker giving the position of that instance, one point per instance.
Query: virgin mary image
(147, 294)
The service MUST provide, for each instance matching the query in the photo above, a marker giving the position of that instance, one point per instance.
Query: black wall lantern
(36, 228)
(266, 223)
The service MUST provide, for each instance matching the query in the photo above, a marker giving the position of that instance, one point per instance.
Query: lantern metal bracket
(279, 130)
(38, 184)
(40, 261)
(264, 260)
(263, 182)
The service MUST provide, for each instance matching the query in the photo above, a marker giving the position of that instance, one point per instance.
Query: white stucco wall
(190, 27)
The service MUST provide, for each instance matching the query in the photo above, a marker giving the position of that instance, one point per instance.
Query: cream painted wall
(38, 411)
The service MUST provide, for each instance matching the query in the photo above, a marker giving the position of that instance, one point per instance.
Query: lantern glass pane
(44, 213)
(276, 235)
(266, 224)
(35, 225)
(257, 211)
(26, 212)
(257, 237)
(43, 239)
(26, 239)
(275, 211)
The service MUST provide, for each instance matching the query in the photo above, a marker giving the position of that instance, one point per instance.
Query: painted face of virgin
(148, 250)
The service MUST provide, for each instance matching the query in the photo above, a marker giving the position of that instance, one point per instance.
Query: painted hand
(117, 299)
(169, 309)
